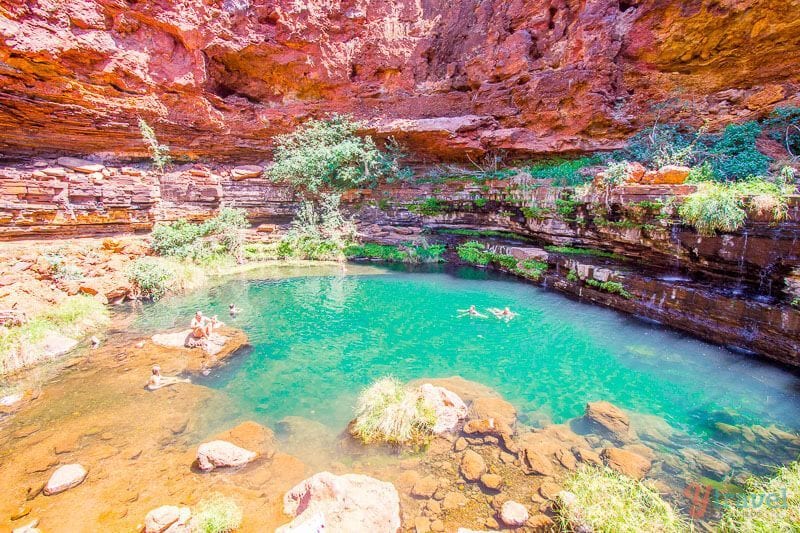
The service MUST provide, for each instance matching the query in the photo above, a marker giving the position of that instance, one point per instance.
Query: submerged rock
(705, 463)
(449, 408)
(168, 519)
(65, 478)
(352, 502)
(496, 408)
(221, 454)
(612, 419)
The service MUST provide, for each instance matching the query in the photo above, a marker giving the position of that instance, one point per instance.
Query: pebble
(513, 514)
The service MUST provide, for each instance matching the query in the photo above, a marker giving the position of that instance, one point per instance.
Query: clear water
(318, 340)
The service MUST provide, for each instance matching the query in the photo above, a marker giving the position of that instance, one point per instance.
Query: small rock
(246, 171)
(492, 481)
(496, 408)
(166, 517)
(437, 525)
(220, 453)
(449, 408)
(460, 444)
(534, 462)
(611, 418)
(453, 500)
(541, 522)
(422, 524)
(425, 487)
(585, 455)
(472, 466)
(64, 478)
(80, 165)
(30, 527)
(513, 514)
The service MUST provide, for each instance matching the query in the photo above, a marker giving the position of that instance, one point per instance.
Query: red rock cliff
(218, 78)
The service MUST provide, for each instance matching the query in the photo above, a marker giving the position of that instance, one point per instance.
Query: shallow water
(318, 340)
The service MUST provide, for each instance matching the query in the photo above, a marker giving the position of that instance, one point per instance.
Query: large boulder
(64, 478)
(168, 519)
(222, 454)
(626, 462)
(449, 408)
(348, 503)
(612, 419)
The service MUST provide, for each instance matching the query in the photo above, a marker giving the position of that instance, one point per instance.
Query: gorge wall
(450, 78)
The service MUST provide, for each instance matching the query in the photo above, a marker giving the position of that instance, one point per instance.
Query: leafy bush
(385, 252)
(221, 235)
(62, 271)
(531, 269)
(616, 174)
(319, 231)
(535, 212)
(700, 173)
(473, 252)
(159, 153)
(723, 206)
(571, 250)
(614, 287)
(429, 207)
(388, 411)
(563, 172)
(480, 202)
(151, 278)
(766, 518)
(567, 207)
(733, 155)
(154, 277)
(217, 514)
(329, 153)
(667, 144)
(609, 502)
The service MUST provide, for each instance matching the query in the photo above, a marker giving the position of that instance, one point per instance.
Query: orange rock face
(450, 79)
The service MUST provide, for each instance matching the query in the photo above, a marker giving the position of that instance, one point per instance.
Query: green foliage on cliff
(320, 231)
(606, 501)
(733, 154)
(762, 509)
(218, 236)
(571, 250)
(724, 206)
(429, 207)
(613, 287)
(159, 153)
(563, 172)
(531, 269)
(155, 277)
(406, 253)
(474, 253)
(330, 154)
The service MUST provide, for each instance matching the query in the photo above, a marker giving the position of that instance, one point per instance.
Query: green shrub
(473, 252)
(571, 250)
(572, 276)
(319, 231)
(531, 268)
(150, 277)
(665, 144)
(563, 172)
(217, 514)
(616, 174)
(329, 153)
(429, 207)
(535, 212)
(613, 287)
(391, 412)
(723, 206)
(480, 202)
(700, 173)
(159, 153)
(385, 252)
(221, 235)
(733, 154)
(567, 207)
(259, 251)
(480, 233)
(766, 518)
(609, 502)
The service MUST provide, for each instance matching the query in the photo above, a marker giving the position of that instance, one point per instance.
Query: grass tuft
(389, 411)
(217, 514)
(610, 502)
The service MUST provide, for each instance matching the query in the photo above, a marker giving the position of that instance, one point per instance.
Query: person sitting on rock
(157, 381)
(201, 326)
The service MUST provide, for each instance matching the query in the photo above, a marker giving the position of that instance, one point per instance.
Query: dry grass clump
(389, 411)
(217, 514)
(610, 502)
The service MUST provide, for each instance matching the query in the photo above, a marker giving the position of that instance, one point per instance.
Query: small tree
(329, 153)
(158, 152)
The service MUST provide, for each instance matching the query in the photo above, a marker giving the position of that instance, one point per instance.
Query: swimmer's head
(198, 314)
(156, 370)
(231, 306)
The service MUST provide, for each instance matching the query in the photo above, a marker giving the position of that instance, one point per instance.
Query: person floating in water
(503, 314)
(470, 312)
(157, 381)
(233, 310)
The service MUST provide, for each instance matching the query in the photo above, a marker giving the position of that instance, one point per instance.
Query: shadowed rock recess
(449, 78)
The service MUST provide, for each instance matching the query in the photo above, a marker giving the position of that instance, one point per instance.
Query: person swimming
(233, 310)
(503, 314)
(157, 381)
(472, 312)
